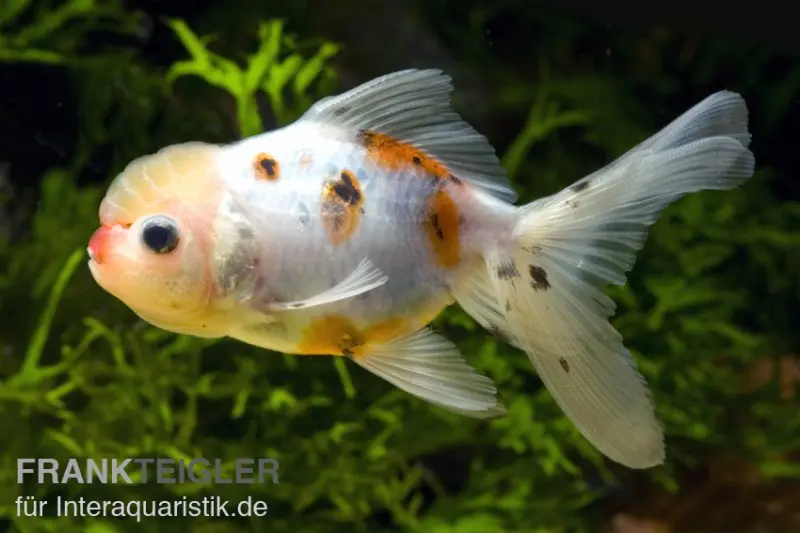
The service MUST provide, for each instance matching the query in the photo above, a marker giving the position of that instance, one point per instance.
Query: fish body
(331, 205)
(347, 232)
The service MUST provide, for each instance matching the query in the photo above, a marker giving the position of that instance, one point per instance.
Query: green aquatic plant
(271, 69)
(55, 33)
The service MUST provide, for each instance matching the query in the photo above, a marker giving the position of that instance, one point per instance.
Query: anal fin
(430, 367)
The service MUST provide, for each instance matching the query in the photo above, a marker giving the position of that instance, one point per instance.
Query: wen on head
(153, 250)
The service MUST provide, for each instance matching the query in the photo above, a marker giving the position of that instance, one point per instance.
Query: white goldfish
(347, 232)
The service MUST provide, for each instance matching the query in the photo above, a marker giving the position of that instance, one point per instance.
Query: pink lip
(97, 244)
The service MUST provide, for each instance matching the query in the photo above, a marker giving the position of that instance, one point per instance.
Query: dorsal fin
(414, 107)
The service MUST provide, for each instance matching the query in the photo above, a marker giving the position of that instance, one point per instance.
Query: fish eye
(160, 234)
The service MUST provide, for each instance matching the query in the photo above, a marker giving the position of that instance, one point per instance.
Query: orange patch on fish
(442, 228)
(337, 335)
(266, 167)
(341, 207)
(330, 335)
(387, 330)
(394, 154)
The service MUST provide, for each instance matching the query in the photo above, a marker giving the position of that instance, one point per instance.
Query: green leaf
(11, 9)
(313, 68)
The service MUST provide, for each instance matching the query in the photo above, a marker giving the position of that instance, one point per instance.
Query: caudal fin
(547, 290)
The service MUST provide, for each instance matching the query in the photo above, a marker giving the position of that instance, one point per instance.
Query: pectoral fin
(364, 278)
(430, 367)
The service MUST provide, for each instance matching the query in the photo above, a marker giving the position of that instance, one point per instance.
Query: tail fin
(568, 246)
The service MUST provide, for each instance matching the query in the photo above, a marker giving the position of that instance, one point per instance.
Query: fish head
(153, 248)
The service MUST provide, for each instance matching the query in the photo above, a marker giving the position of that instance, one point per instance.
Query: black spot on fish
(366, 138)
(455, 179)
(580, 186)
(564, 364)
(507, 270)
(347, 189)
(534, 249)
(348, 344)
(538, 278)
(435, 223)
(417, 160)
(267, 167)
(508, 306)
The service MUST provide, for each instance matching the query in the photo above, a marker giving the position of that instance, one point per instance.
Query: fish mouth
(92, 255)
(98, 244)
(94, 265)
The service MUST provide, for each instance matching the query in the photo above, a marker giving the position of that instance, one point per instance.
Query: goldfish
(348, 231)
